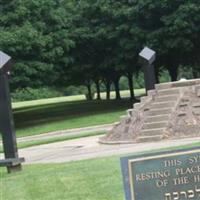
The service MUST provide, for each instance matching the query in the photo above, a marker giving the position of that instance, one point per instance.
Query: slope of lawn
(96, 179)
(124, 94)
(62, 113)
(92, 180)
(61, 116)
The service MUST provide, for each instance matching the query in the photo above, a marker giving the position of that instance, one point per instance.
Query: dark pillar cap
(147, 56)
(5, 62)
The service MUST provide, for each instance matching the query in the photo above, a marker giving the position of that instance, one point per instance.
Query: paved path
(86, 148)
(70, 132)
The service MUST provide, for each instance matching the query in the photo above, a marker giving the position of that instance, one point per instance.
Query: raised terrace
(170, 111)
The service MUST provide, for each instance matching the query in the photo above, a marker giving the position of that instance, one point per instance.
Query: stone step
(165, 98)
(137, 105)
(196, 105)
(184, 83)
(129, 112)
(124, 119)
(198, 93)
(157, 118)
(144, 99)
(167, 104)
(151, 93)
(154, 112)
(154, 125)
(150, 132)
(163, 86)
(169, 91)
(196, 88)
(153, 138)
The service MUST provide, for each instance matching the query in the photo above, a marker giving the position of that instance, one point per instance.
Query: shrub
(33, 94)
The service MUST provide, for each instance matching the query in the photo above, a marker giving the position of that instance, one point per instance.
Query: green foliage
(36, 34)
(164, 76)
(185, 72)
(26, 94)
(61, 43)
(138, 82)
(74, 90)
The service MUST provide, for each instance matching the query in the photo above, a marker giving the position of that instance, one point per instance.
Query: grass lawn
(46, 115)
(124, 94)
(67, 115)
(96, 179)
(75, 121)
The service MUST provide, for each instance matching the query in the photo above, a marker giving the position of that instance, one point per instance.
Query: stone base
(12, 164)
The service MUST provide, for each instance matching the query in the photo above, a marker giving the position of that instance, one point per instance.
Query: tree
(171, 28)
(35, 34)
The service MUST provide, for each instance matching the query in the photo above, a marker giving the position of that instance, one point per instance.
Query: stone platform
(170, 111)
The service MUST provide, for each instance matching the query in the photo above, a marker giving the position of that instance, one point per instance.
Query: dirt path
(70, 132)
(86, 148)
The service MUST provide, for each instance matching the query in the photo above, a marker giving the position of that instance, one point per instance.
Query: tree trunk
(89, 94)
(117, 90)
(108, 83)
(98, 90)
(173, 72)
(131, 88)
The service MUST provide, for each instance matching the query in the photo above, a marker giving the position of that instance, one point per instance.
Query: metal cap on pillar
(7, 129)
(5, 62)
(146, 57)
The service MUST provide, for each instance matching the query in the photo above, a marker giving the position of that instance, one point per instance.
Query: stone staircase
(160, 109)
(155, 117)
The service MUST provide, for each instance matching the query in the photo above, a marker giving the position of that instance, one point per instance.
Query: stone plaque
(171, 175)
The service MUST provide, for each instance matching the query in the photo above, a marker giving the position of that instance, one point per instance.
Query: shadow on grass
(43, 114)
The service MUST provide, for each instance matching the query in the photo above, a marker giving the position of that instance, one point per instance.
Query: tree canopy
(74, 42)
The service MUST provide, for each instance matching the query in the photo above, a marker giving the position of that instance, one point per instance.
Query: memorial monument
(7, 129)
(170, 111)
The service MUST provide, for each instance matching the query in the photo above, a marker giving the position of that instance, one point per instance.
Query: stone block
(154, 125)
(154, 112)
(157, 118)
(167, 104)
(150, 132)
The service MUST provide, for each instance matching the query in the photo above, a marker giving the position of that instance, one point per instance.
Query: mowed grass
(124, 94)
(94, 179)
(42, 116)
(97, 179)
(61, 116)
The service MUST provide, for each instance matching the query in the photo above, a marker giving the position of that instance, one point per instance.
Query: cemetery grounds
(92, 179)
